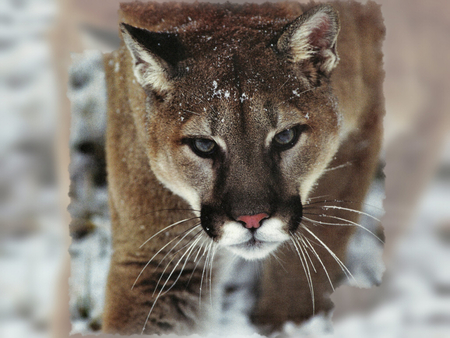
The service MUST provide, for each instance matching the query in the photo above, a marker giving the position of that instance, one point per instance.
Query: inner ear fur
(155, 56)
(312, 37)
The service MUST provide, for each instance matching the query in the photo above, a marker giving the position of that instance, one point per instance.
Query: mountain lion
(241, 142)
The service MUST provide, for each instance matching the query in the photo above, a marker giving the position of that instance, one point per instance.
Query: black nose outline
(294, 204)
(209, 213)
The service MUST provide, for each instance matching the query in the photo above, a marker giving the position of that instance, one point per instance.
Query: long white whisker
(274, 255)
(314, 198)
(210, 273)
(326, 207)
(310, 277)
(166, 228)
(349, 223)
(171, 273)
(309, 245)
(190, 250)
(336, 258)
(174, 255)
(316, 204)
(203, 273)
(195, 260)
(282, 85)
(339, 166)
(314, 222)
(190, 111)
(151, 259)
(306, 252)
(162, 288)
(305, 269)
(170, 251)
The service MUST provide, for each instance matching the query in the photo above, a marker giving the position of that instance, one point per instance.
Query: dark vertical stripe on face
(238, 76)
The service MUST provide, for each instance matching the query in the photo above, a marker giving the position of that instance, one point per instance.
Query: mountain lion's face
(241, 126)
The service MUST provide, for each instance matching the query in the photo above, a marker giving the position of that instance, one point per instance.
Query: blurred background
(37, 38)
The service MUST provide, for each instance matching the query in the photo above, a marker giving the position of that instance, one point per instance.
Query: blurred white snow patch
(31, 236)
(211, 335)
(317, 326)
(30, 266)
(384, 323)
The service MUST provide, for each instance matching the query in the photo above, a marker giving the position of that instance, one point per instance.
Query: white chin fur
(241, 242)
(253, 252)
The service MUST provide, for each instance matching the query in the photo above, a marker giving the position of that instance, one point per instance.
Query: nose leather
(252, 221)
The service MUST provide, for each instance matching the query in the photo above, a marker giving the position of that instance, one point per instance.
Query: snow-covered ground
(413, 300)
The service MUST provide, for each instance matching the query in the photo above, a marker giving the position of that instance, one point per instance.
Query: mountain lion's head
(241, 122)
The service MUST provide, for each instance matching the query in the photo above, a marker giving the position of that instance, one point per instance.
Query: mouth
(256, 243)
(251, 243)
(253, 248)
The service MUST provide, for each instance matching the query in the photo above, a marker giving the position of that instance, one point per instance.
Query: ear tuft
(155, 56)
(312, 36)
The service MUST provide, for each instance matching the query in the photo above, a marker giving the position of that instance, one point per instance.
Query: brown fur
(141, 206)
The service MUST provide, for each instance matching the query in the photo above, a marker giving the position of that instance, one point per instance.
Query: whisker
(326, 207)
(203, 273)
(314, 198)
(166, 228)
(305, 269)
(339, 166)
(310, 277)
(350, 223)
(174, 254)
(336, 258)
(190, 250)
(190, 111)
(282, 85)
(309, 245)
(151, 259)
(159, 210)
(196, 261)
(320, 222)
(306, 204)
(184, 246)
(306, 252)
(160, 292)
(274, 255)
(214, 249)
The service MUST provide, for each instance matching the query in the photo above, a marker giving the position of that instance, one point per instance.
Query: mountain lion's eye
(287, 138)
(203, 147)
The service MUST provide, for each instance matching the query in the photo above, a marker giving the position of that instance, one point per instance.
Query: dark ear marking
(312, 37)
(166, 46)
(155, 56)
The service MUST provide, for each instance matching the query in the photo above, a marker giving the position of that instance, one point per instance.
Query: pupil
(285, 136)
(204, 145)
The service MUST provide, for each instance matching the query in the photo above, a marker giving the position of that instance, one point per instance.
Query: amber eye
(287, 138)
(203, 147)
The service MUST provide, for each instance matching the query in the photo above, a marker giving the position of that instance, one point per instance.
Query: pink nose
(253, 221)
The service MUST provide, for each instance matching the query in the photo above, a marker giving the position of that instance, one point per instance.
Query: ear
(312, 37)
(155, 56)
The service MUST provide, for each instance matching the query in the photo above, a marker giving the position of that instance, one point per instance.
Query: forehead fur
(184, 17)
(206, 27)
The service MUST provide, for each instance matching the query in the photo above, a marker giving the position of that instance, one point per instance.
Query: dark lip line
(253, 242)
